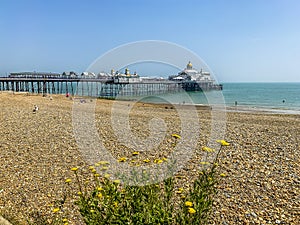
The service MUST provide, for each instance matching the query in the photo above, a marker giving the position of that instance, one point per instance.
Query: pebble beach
(259, 171)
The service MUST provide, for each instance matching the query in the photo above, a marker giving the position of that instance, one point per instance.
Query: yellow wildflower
(96, 175)
(99, 195)
(117, 181)
(189, 204)
(74, 168)
(66, 223)
(103, 162)
(97, 164)
(223, 142)
(176, 136)
(146, 160)
(104, 168)
(68, 180)
(179, 191)
(55, 210)
(115, 204)
(192, 211)
(165, 159)
(204, 163)
(122, 159)
(158, 161)
(79, 193)
(135, 153)
(207, 149)
(223, 175)
(99, 188)
(65, 220)
(92, 211)
(107, 175)
(91, 167)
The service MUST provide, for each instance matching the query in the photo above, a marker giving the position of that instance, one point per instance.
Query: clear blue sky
(251, 40)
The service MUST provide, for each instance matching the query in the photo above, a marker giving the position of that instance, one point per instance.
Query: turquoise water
(265, 95)
(280, 96)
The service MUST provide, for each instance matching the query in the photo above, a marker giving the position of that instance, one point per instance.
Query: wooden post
(26, 86)
(13, 86)
(44, 88)
(67, 90)
(72, 88)
(82, 89)
(77, 83)
(97, 89)
(38, 87)
(32, 87)
(53, 87)
(88, 91)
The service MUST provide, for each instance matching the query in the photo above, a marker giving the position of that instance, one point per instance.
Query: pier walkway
(107, 88)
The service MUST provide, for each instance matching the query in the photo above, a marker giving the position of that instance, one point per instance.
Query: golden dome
(127, 72)
(189, 65)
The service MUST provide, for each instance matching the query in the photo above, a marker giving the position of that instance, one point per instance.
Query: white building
(189, 73)
(126, 77)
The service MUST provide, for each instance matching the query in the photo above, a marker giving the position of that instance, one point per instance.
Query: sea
(268, 97)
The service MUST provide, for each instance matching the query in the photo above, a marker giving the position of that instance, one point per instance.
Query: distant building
(34, 75)
(191, 74)
(70, 74)
(104, 75)
(126, 77)
(88, 75)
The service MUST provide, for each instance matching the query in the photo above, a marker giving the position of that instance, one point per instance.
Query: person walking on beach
(35, 108)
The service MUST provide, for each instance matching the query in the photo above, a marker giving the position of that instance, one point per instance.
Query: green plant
(110, 202)
(106, 201)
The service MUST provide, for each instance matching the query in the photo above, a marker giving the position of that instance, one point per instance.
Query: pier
(105, 87)
(86, 87)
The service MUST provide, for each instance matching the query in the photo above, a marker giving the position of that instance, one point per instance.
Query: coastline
(242, 108)
(254, 109)
(239, 109)
(261, 164)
